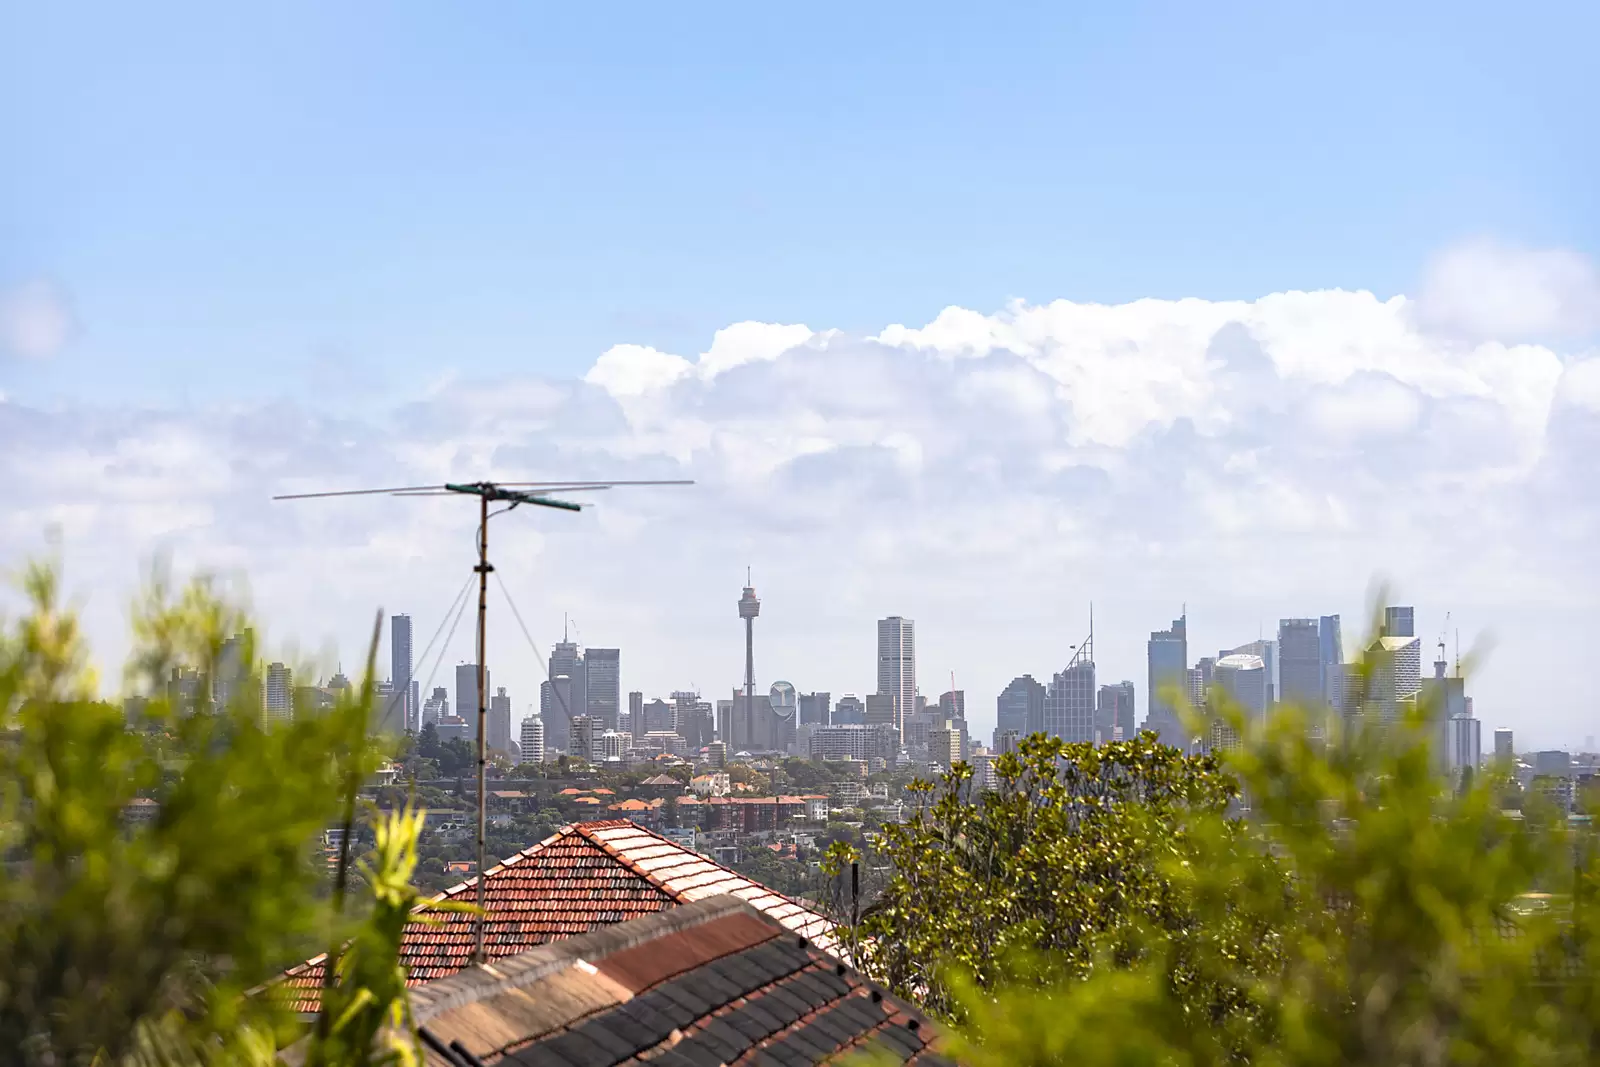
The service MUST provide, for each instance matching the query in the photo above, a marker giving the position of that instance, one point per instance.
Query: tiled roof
(712, 982)
(583, 877)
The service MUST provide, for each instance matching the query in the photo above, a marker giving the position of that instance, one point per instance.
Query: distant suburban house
(714, 784)
(584, 877)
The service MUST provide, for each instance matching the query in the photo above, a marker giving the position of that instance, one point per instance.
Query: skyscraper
(1168, 654)
(603, 688)
(1331, 644)
(815, 709)
(555, 698)
(1463, 743)
(1115, 715)
(280, 693)
(897, 666)
(635, 711)
(1268, 651)
(1019, 709)
(400, 667)
(1394, 679)
(1243, 678)
(849, 711)
(565, 658)
(467, 696)
(500, 721)
(953, 704)
(882, 709)
(1069, 701)
(1503, 748)
(1300, 670)
(1399, 621)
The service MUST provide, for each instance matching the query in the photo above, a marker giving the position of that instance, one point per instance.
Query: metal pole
(855, 894)
(483, 570)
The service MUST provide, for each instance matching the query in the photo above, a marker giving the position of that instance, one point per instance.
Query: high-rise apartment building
(1115, 716)
(1069, 701)
(400, 667)
(603, 686)
(849, 711)
(1300, 667)
(1020, 708)
(436, 707)
(500, 721)
(1168, 657)
(280, 693)
(583, 733)
(1200, 680)
(945, 742)
(815, 709)
(897, 666)
(532, 740)
(853, 742)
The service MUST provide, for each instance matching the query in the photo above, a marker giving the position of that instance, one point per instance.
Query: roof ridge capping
(514, 972)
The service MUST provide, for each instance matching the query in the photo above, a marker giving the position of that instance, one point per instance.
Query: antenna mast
(487, 491)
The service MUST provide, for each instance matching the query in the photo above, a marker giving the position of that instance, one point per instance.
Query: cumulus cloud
(1484, 289)
(988, 473)
(35, 320)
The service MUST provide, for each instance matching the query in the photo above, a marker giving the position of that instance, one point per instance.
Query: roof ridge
(527, 853)
(660, 883)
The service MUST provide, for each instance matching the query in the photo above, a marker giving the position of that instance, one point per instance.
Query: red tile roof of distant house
(712, 982)
(583, 877)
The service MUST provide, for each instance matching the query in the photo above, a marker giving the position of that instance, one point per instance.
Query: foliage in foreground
(1366, 912)
(130, 943)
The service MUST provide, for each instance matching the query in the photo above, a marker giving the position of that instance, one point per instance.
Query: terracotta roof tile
(716, 982)
(584, 877)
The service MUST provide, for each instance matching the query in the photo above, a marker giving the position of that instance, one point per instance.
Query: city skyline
(1075, 711)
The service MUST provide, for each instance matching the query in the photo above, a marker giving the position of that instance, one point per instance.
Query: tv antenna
(513, 495)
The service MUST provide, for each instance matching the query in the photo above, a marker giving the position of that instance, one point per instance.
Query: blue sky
(246, 252)
(248, 203)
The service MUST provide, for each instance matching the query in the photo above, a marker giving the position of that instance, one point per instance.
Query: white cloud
(1484, 289)
(987, 474)
(35, 320)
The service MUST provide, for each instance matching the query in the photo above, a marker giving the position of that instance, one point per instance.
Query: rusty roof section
(584, 877)
(716, 981)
